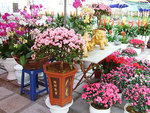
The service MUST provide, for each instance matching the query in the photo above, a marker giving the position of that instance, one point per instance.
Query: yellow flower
(144, 21)
(24, 41)
(16, 45)
(86, 19)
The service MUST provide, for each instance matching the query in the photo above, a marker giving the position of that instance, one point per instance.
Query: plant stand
(56, 108)
(60, 84)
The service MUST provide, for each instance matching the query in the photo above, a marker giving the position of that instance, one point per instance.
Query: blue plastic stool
(34, 83)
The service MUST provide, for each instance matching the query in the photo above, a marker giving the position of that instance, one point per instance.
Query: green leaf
(23, 60)
(28, 55)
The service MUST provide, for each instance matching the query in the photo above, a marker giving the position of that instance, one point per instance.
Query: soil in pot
(56, 68)
(98, 107)
(131, 110)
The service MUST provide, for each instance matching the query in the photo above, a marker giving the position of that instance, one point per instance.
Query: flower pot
(126, 105)
(9, 64)
(18, 74)
(94, 110)
(136, 46)
(148, 43)
(142, 48)
(97, 74)
(60, 84)
(32, 64)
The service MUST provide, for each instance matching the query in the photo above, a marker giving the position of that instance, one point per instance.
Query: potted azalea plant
(128, 52)
(65, 46)
(138, 98)
(137, 42)
(101, 96)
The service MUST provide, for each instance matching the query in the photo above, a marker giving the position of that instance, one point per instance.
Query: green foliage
(77, 23)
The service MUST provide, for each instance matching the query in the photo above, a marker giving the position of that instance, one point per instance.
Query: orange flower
(112, 23)
(74, 14)
(131, 25)
(123, 34)
(118, 22)
(138, 24)
(104, 22)
(45, 13)
(146, 25)
(141, 22)
(62, 14)
(110, 31)
(70, 13)
(51, 13)
(101, 21)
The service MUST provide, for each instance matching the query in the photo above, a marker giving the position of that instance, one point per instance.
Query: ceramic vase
(94, 110)
(9, 64)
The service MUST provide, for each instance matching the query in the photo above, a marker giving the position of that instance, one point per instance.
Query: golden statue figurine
(99, 38)
(87, 44)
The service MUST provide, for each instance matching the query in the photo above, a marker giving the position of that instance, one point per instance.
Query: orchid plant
(30, 23)
(101, 95)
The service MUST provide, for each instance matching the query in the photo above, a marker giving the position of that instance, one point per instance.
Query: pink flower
(84, 96)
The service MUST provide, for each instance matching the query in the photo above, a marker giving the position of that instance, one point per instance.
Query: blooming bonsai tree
(101, 9)
(101, 95)
(77, 3)
(63, 44)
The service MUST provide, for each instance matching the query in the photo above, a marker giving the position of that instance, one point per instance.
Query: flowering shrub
(61, 43)
(137, 42)
(128, 52)
(120, 77)
(101, 95)
(101, 9)
(140, 79)
(138, 96)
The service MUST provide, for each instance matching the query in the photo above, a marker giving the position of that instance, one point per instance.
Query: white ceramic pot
(56, 108)
(126, 105)
(18, 72)
(9, 64)
(93, 110)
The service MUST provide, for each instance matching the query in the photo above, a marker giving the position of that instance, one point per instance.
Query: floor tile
(4, 92)
(14, 103)
(36, 108)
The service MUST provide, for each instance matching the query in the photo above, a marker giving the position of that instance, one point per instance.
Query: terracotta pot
(32, 64)
(97, 74)
(60, 84)
(142, 48)
(94, 110)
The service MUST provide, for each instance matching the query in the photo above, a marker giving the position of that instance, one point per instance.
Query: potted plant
(138, 97)
(6, 27)
(128, 52)
(99, 10)
(101, 96)
(22, 39)
(137, 42)
(65, 46)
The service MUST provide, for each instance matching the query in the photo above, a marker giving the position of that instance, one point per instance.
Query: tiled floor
(12, 102)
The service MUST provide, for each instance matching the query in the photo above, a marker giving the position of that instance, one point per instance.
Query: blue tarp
(118, 5)
(140, 9)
